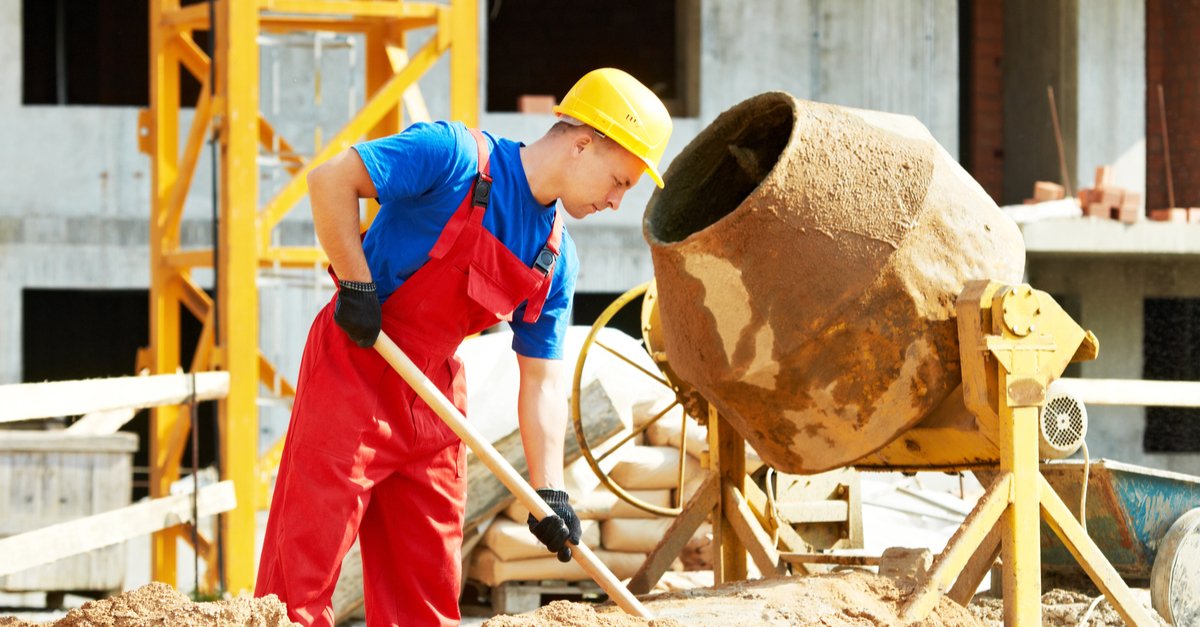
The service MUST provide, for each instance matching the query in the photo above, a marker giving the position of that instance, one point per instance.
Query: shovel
(500, 467)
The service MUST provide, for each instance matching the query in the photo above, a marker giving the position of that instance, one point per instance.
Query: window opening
(534, 49)
(1171, 352)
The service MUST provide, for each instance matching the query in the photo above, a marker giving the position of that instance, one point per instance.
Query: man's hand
(358, 312)
(555, 531)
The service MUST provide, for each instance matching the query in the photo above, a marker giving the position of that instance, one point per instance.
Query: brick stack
(1176, 214)
(1045, 191)
(1107, 201)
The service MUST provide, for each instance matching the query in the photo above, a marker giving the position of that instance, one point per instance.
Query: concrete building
(74, 190)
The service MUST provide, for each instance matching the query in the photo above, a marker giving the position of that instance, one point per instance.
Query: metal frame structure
(229, 107)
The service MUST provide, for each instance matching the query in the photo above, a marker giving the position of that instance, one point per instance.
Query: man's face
(600, 173)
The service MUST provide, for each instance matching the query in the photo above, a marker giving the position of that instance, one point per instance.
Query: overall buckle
(483, 191)
(545, 260)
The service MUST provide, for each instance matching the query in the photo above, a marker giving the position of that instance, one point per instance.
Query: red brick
(535, 104)
(1169, 215)
(1097, 210)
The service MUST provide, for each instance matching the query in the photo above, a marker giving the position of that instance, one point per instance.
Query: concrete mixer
(833, 288)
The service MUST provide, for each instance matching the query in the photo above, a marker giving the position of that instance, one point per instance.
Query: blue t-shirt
(422, 175)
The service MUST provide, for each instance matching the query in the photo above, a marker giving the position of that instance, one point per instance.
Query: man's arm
(542, 411)
(334, 188)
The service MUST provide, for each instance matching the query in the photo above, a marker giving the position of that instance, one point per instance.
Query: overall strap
(473, 205)
(547, 259)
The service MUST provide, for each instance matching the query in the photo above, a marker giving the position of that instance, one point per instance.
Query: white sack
(636, 535)
(489, 569)
(511, 540)
(652, 468)
(602, 505)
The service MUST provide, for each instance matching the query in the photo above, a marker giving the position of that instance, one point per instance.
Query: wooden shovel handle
(500, 467)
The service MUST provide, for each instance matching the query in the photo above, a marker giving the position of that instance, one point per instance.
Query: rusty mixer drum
(808, 258)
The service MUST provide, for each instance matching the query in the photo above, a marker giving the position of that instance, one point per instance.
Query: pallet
(519, 597)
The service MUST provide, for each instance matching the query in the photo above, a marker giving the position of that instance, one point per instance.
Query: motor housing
(1062, 426)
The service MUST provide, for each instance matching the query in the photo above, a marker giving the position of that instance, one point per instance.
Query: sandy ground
(845, 599)
(1063, 608)
(160, 604)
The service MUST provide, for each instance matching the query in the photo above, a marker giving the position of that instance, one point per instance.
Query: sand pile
(1060, 608)
(845, 599)
(162, 606)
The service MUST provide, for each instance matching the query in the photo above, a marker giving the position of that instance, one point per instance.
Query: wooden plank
(73, 398)
(706, 498)
(62, 441)
(814, 511)
(741, 518)
(1133, 392)
(102, 422)
(55, 542)
(823, 558)
(487, 496)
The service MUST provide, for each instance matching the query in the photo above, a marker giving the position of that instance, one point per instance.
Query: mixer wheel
(1175, 578)
(664, 377)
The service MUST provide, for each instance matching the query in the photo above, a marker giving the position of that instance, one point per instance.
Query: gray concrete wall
(1112, 92)
(1111, 291)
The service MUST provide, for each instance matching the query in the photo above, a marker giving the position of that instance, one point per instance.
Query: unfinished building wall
(1173, 60)
(1112, 101)
(1111, 292)
(1040, 50)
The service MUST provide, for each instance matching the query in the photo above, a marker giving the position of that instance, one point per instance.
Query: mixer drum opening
(719, 174)
(808, 258)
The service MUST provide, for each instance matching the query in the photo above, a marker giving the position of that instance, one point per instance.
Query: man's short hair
(566, 124)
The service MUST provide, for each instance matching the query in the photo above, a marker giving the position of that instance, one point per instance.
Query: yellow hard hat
(623, 109)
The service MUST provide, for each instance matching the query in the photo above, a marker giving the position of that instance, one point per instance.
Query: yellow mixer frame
(1013, 342)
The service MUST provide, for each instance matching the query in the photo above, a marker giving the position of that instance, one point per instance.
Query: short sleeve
(411, 163)
(544, 339)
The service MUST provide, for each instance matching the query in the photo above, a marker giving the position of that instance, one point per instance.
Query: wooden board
(48, 477)
(73, 398)
(51, 543)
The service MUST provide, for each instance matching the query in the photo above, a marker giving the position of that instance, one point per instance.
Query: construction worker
(467, 235)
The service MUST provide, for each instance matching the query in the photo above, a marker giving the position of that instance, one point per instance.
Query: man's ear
(582, 141)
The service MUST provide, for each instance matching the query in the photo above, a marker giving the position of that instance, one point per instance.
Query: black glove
(358, 313)
(555, 531)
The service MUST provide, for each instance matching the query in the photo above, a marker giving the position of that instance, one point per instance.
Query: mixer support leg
(1091, 559)
(1020, 527)
(750, 532)
(727, 452)
(991, 508)
(976, 569)
(677, 536)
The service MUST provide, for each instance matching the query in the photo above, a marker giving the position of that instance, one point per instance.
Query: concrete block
(1045, 190)
(535, 104)
(905, 567)
(1170, 215)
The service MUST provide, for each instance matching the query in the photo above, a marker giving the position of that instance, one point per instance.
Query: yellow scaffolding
(231, 111)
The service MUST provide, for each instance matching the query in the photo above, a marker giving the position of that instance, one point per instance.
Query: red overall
(364, 455)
